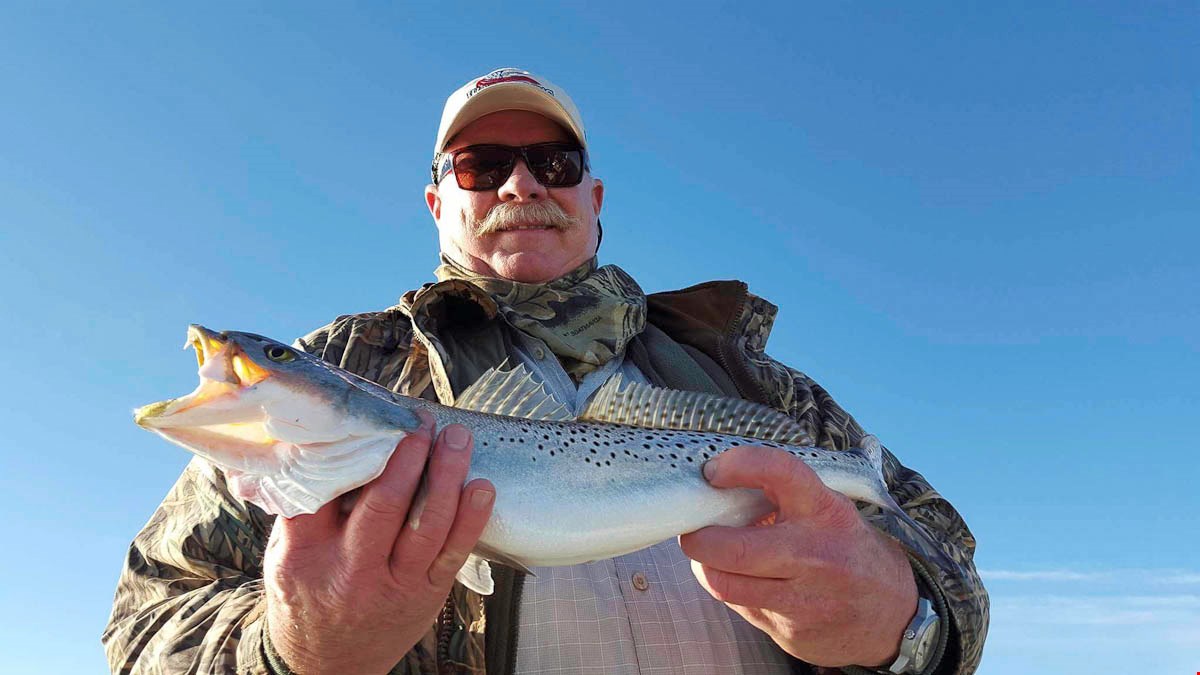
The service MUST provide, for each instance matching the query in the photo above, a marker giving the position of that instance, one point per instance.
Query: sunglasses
(487, 167)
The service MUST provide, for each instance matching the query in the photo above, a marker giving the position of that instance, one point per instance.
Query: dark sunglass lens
(556, 166)
(482, 168)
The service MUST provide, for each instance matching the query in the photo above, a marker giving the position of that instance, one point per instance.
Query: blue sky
(980, 223)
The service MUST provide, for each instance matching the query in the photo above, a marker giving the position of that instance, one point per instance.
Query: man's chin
(531, 267)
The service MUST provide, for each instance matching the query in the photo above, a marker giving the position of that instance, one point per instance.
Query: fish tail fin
(873, 451)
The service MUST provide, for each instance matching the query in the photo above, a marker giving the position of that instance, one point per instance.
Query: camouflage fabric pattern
(190, 595)
(190, 598)
(586, 317)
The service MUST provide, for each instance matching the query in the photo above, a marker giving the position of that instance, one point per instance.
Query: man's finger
(753, 551)
(737, 589)
(308, 529)
(378, 515)
(474, 509)
(425, 532)
(785, 479)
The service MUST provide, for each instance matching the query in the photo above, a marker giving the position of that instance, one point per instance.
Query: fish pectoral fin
(476, 575)
(514, 393)
(641, 405)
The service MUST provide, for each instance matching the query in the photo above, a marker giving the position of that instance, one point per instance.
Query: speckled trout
(292, 432)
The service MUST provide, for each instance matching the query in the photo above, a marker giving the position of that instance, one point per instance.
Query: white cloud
(1124, 576)
(1040, 575)
(1090, 610)
(1094, 621)
(1180, 578)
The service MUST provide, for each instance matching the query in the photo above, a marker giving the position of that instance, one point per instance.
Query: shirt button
(640, 582)
(539, 353)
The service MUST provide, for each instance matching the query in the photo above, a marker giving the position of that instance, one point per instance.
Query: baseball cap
(508, 89)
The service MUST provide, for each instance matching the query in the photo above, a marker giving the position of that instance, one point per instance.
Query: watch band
(916, 641)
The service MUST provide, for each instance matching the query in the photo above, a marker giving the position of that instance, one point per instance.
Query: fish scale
(293, 432)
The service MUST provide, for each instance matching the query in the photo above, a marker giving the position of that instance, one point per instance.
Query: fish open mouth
(280, 444)
(225, 371)
(222, 419)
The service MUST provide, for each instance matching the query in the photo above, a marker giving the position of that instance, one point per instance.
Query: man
(213, 585)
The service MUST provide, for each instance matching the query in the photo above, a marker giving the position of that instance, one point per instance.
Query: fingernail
(710, 470)
(481, 498)
(457, 437)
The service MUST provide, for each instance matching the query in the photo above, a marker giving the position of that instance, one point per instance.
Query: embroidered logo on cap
(506, 75)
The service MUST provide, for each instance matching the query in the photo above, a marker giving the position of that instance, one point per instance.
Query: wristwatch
(919, 640)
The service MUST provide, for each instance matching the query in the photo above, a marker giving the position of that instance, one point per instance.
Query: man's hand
(351, 592)
(826, 586)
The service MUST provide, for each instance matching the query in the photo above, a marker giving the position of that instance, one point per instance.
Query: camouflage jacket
(190, 596)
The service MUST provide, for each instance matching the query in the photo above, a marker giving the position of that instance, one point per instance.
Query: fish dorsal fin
(514, 393)
(642, 405)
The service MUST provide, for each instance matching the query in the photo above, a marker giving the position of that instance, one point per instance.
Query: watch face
(925, 645)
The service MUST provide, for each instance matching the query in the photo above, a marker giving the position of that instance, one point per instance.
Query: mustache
(507, 214)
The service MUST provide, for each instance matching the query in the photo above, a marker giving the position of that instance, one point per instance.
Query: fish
(292, 432)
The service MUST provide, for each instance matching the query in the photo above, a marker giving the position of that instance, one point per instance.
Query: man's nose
(521, 185)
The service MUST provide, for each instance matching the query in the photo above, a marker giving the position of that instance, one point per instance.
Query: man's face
(532, 242)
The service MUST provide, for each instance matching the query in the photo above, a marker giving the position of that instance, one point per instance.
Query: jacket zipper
(445, 627)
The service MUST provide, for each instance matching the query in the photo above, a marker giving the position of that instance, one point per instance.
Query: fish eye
(279, 354)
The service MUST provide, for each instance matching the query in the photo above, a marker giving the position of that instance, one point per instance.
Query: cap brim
(514, 96)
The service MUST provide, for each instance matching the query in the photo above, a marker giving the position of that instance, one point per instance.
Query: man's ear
(597, 195)
(434, 201)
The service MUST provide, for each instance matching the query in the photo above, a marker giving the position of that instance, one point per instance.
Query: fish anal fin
(641, 405)
(476, 574)
(485, 551)
(514, 393)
